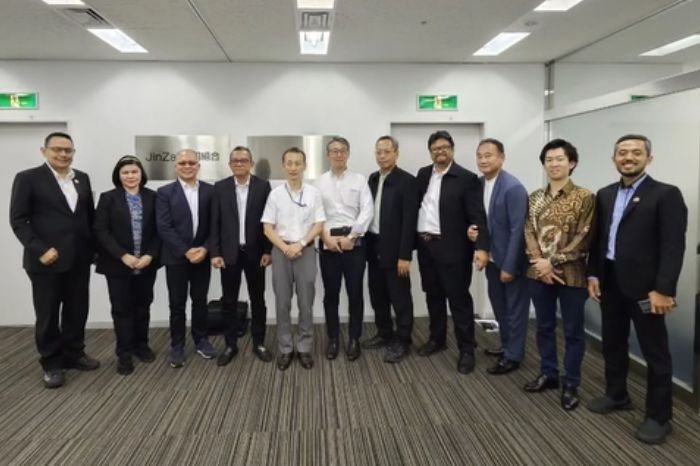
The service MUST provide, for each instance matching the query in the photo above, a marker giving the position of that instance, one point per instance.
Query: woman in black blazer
(128, 244)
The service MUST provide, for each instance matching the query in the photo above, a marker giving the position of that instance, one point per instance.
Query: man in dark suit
(505, 203)
(450, 200)
(182, 218)
(390, 243)
(633, 270)
(51, 213)
(237, 245)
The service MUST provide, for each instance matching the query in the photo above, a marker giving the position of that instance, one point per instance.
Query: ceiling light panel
(63, 2)
(315, 4)
(314, 42)
(673, 47)
(557, 5)
(500, 43)
(119, 40)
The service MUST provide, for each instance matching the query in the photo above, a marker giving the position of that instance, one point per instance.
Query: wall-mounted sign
(437, 103)
(19, 101)
(157, 153)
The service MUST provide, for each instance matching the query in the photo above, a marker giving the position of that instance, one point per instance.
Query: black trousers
(182, 278)
(131, 297)
(387, 289)
(443, 283)
(334, 267)
(231, 285)
(61, 302)
(618, 310)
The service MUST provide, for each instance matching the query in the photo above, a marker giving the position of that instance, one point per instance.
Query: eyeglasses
(338, 151)
(437, 149)
(62, 150)
(239, 161)
(189, 163)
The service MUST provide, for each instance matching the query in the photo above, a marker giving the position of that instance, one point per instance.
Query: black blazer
(461, 204)
(398, 214)
(114, 235)
(41, 219)
(174, 221)
(224, 238)
(650, 240)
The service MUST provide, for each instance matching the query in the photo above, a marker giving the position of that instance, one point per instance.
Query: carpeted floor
(419, 412)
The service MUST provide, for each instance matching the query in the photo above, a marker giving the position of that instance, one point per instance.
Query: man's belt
(428, 237)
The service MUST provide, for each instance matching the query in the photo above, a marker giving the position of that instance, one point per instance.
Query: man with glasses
(238, 246)
(292, 219)
(450, 201)
(347, 202)
(51, 213)
(182, 218)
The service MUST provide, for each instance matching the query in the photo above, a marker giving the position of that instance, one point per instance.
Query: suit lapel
(182, 199)
(638, 196)
(497, 187)
(53, 186)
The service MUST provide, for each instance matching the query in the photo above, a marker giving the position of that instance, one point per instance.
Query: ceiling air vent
(315, 20)
(86, 17)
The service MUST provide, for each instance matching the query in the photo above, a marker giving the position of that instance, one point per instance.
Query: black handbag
(215, 318)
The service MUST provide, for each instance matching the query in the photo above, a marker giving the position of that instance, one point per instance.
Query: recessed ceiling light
(315, 4)
(500, 43)
(673, 46)
(63, 2)
(117, 39)
(314, 42)
(557, 5)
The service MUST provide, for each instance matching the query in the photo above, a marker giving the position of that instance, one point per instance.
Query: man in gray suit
(505, 202)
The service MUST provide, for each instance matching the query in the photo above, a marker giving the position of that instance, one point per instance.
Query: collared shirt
(67, 185)
(558, 228)
(347, 201)
(192, 196)
(624, 195)
(293, 213)
(374, 226)
(241, 201)
(429, 213)
(488, 191)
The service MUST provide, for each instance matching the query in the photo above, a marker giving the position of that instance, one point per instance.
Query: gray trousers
(300, 273)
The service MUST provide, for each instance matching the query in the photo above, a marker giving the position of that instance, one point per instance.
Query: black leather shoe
(396, 352)
(569, 398)
(376, 342)
(54, 378)
(307, 361)
(125, 365)
(284, 360)
(332, 349)
(262, 353)
(541, 383)
(503, 366)
(498, 352)
(465, 364)
(430, 347)
(84, 363)
(226, 357)
(653, 432)
(353, 350)
(146, 355)
(606, 405)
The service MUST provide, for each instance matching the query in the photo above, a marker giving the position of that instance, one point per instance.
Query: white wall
(106, 103)
(579, 81)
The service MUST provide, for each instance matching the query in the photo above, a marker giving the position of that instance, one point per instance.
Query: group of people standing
(555, 248)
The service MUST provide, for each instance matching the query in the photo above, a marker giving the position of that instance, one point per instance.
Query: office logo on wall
(158, 153)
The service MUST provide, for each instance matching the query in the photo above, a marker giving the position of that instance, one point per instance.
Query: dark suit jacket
(114, 234)
(174, 221)
(224, 234)
(41, 219)
(650, 240)
(507, 215)
(397, 217)
(461, 205)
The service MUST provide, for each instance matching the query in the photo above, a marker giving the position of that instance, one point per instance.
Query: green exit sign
(19, 100)
(437, 102)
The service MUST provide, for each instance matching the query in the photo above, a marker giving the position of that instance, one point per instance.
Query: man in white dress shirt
(347, 202)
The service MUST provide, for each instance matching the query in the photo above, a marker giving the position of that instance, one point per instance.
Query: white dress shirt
(67, 185)
(488, 191)
(192, 196)
(293, 213)
(241, 201)
(374, 226)
(429, 213)
(347, 201)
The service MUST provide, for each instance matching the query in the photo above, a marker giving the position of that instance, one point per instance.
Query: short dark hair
(568, 148)
(57, 134)
(634, 137)
(240, 149)
(294, 150)
(338, 139)
(124, 161)
(392, 139)
(440, 135)
(495, 142)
